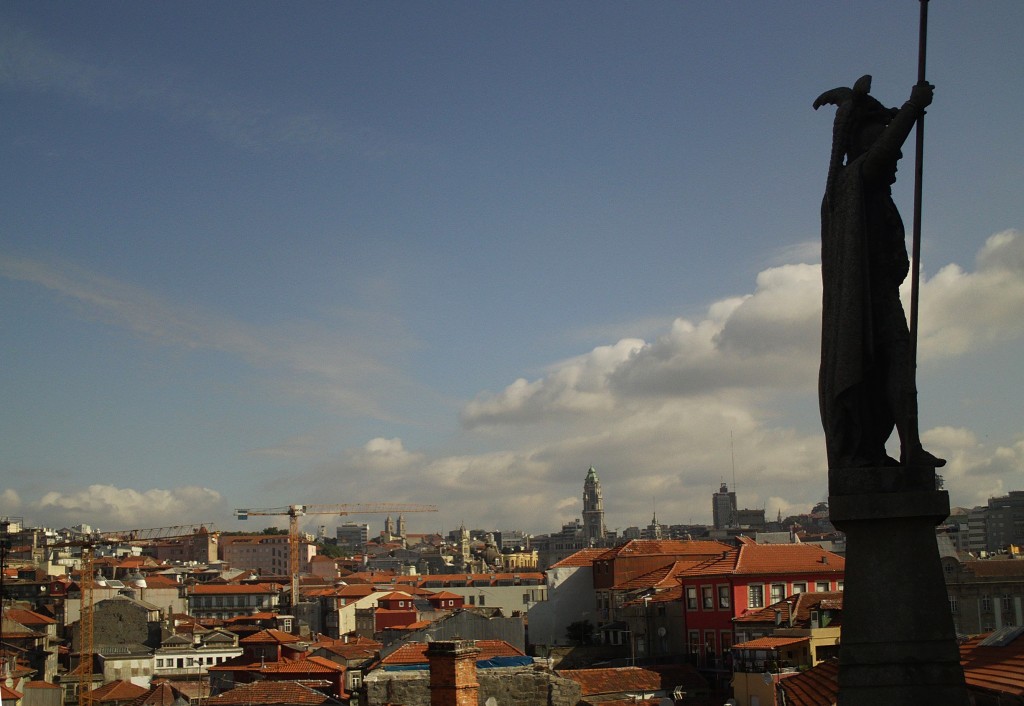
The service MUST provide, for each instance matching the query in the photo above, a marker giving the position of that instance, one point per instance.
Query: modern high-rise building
(1004, 521)
(353, 535)
(593, 509)
(723, 508)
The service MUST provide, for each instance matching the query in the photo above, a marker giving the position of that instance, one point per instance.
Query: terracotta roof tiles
(632, 679)
(769, 643)
(993, 668)
(645, 547)
(116, 691)
(584, 557)
(270, 636)
(271, 692)
(818, 685)
(751, 559)
(416, 652)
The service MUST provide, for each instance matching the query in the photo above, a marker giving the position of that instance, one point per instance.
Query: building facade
(723, 508)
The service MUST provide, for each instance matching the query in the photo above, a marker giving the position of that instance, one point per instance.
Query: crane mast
(294, 512)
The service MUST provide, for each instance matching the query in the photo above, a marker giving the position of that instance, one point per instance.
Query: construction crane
(86, 583)
(294, 512)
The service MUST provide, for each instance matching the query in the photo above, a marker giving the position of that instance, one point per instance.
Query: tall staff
(915, 259)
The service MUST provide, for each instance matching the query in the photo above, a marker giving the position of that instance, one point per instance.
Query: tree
(580, 632)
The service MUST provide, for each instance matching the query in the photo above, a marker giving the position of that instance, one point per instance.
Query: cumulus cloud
(111, 508)
(767, 340)
(10, 500)
(964, 311)
(733, 390)
(380, 455)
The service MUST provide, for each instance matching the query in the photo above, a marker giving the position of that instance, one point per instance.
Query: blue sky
(254, 254)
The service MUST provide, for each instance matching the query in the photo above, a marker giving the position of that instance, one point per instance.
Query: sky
(259, 254)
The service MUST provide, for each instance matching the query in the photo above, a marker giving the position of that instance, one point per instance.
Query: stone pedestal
(898, 645)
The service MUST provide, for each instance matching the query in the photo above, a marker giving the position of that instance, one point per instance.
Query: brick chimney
(453, 673)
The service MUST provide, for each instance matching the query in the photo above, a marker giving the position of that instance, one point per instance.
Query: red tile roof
(39, 685)
(817, 686)
(270, 692)
(584, 557)
(992, 668)
(416, 652)
(631, 679)
(652, 547)
(116, 691)
(664, 577)
(28, 617)
(769, 643)
(752, 559)
(801, 604)
(787, 558)
(270, 636)
(307, 665)
(162, 694)
(160, 581)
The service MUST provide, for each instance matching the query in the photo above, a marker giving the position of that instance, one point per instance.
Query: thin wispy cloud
(300, 360)
(28, 63)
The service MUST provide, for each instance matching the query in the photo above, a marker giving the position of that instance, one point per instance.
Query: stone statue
(866, 384)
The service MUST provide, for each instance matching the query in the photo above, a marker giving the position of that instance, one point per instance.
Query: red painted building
(749, 577)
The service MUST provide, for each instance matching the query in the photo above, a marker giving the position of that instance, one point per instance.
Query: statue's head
(859, 121)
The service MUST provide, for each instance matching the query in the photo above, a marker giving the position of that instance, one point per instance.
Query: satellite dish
(767, 678)
(661, 631)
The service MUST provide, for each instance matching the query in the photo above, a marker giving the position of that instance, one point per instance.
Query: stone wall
(512, 686)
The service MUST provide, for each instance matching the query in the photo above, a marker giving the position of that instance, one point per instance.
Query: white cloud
(658, 416)
(965, 311)
(113, 508)
(384, 455)
(10, 501)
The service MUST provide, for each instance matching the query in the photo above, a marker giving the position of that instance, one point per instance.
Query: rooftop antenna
(732, 456)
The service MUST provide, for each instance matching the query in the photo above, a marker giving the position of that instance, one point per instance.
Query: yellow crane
(86, 646)
(294, 512)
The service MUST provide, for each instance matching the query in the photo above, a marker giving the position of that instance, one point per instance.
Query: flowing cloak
(846, 330)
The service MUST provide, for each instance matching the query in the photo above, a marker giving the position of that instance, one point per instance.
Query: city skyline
(256, 255)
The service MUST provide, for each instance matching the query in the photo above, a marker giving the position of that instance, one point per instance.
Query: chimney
(453, 673)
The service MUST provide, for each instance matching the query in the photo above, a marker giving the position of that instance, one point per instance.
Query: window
(821, 586)
(708, 597)
(1007, 602)
(799, 587)
(481, 599)
(472, 600)
(755, 596)
(839, 585)
(691, 598)
(952, 605)
(986, 604)
(723, 597)
(159, 662)
(694, 641)
(778, 592)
